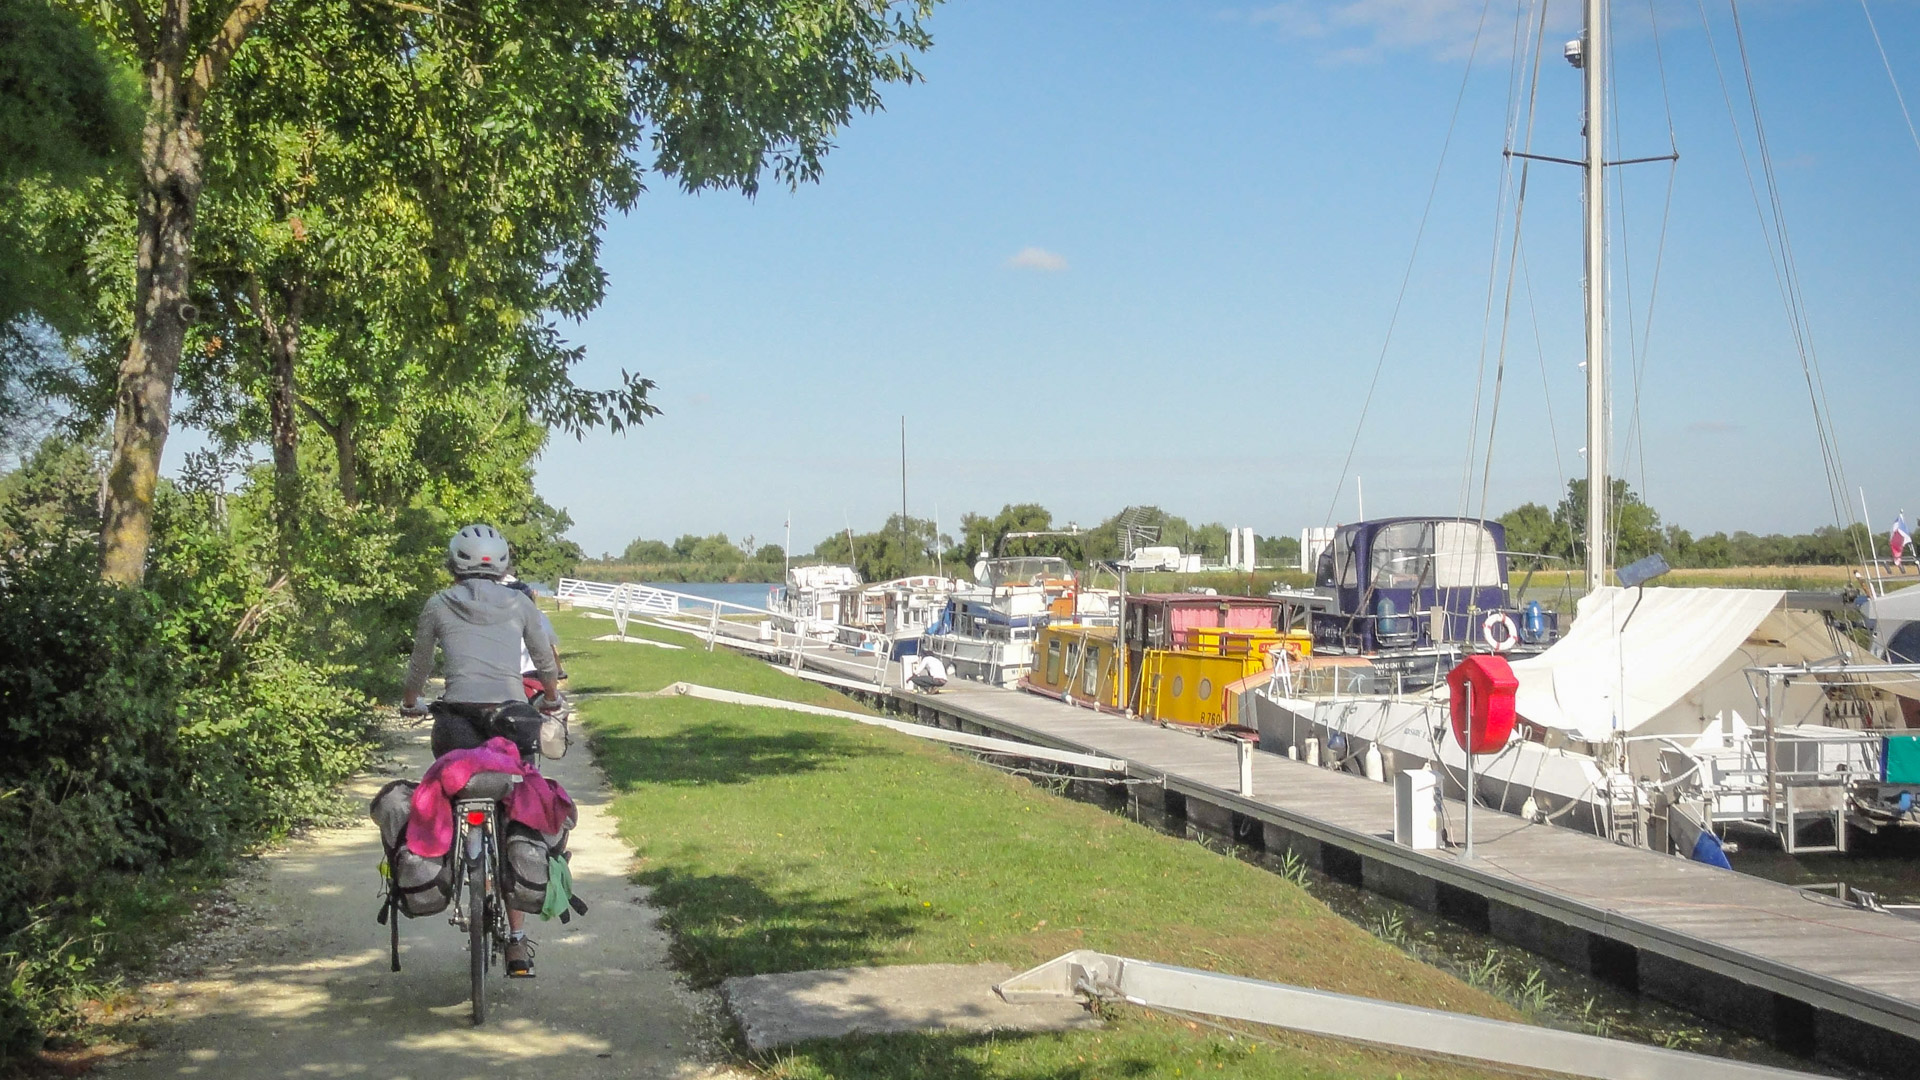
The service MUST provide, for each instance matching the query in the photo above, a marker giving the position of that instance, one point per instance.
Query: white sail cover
(1620, 666)
(1891, 613)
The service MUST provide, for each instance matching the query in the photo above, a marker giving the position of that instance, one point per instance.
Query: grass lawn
(779, 841)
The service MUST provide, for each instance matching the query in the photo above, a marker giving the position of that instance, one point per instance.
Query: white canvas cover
(1620, 666)
(1892, 612)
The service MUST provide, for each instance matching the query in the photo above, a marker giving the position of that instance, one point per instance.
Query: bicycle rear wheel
(478, 933)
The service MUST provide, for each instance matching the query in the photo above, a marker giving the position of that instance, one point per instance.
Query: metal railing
(628, 599)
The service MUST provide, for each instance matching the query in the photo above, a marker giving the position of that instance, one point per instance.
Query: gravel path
(292, 978)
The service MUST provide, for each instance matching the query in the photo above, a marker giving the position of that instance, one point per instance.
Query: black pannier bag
(419, 886)
(525, 863)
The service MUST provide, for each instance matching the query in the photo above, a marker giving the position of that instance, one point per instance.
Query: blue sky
(1130, 252)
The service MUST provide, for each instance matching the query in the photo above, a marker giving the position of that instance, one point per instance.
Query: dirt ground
(291, 978)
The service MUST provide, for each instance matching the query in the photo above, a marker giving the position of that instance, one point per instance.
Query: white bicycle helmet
(478, 550)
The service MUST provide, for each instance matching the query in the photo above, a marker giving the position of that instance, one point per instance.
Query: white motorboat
(987, 631)
(811, 601)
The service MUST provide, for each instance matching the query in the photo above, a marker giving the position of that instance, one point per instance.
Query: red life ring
(1499, 632)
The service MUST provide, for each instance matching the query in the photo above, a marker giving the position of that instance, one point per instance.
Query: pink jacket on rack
(536, 801)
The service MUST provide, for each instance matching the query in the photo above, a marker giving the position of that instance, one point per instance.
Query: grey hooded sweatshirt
(479, 625)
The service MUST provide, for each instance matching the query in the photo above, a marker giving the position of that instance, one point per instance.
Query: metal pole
(906, 533)
(1468, 854)
(1873, 553)
(1246, 768)
(1599, 487)
(1123, 693)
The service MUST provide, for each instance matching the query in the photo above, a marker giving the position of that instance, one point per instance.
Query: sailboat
(1664, 713)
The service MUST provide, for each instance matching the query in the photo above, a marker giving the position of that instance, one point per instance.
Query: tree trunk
(170, 181)
(282, 338)
(342, 433)
(348, 455)
(143, 406)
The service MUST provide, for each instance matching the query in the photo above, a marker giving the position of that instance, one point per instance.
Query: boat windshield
(1465, 556)
(1026, 570)
(1435, 554)
(1402, 556)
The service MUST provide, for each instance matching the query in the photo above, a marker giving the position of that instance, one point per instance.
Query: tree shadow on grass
(730, 924)
(937, 1055)
(719, 753)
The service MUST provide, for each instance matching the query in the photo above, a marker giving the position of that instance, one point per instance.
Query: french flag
(1898, 538)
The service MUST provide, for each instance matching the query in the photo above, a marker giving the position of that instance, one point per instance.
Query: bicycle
(478, 889)
(480, 901)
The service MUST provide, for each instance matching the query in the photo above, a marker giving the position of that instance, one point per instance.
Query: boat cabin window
(1436, 554)
(1053, 662)
(1336, 563)
(1025, 570)
(1402, 556)
(1465, 555)
(1091, 684)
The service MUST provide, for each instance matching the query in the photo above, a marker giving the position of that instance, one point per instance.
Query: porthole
(1179, 684)
(1206, 689)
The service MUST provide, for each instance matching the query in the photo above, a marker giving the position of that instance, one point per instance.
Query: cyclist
(527, 669)
(480, 627)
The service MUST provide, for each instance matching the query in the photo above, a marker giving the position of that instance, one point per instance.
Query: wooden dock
(1817, 977)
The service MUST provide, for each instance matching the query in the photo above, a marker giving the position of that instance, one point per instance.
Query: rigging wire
(1783, 269)
(1637, 345)
(1513, 256)
(1406, 278)
(1546, 390)
(1898, 96)
(1506, 187)
(1797, 313)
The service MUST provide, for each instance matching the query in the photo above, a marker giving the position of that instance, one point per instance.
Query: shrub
(145, 726)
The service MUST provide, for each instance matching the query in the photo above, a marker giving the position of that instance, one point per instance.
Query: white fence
(627, 599)
(797, 638)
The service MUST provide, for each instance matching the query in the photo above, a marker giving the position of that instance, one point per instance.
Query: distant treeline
(1536, 534)
(912, 546)
(1548, 536)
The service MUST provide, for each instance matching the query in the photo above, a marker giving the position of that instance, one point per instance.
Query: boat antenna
(1593, 60)
(906, 531)
(786, 546)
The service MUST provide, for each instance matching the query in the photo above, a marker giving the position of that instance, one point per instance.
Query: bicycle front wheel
(478, 933)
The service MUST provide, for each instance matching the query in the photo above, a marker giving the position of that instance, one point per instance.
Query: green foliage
(648, 551)
(68, 113)
(1540, 537)
(145, 726)
(68, 124)
(901, 547)
(54, 488)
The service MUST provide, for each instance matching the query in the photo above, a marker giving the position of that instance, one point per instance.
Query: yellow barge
(1188, 656)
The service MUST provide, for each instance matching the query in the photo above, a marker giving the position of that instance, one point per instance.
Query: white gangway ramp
(629, 598)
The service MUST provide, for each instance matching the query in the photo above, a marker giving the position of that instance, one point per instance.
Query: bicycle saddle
(492, 786)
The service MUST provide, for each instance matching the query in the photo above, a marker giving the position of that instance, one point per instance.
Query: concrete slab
(779, 1010)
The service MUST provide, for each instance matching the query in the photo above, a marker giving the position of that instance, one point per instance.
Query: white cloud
(1038, 258)
(1367, 29)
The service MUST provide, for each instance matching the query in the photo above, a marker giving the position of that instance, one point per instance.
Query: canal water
(1886, 864)
(751, 594)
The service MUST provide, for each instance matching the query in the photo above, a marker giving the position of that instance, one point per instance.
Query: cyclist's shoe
(520, 959)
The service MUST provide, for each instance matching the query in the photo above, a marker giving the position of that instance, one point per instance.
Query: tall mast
(906, 532)
(1599, 485)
